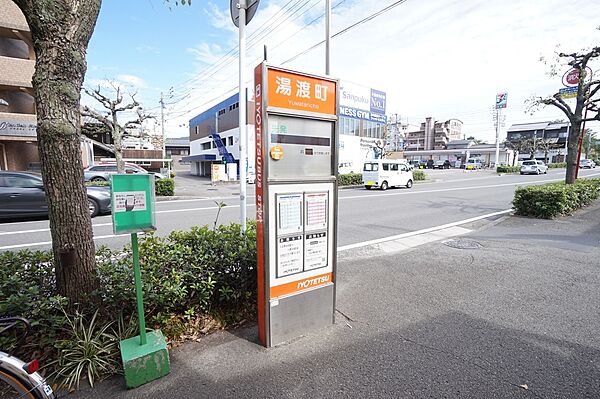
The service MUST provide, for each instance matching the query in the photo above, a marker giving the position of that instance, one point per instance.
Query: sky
(440, 58)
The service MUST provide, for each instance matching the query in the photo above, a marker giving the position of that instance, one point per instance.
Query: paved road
(515, 317)
(363, 215)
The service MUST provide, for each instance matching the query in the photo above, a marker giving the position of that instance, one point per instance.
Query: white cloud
(132, 80)
(441, 58)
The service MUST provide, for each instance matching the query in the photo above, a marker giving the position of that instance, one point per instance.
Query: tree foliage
(587, 104)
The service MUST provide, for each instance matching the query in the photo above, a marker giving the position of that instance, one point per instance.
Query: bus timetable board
(296, 201)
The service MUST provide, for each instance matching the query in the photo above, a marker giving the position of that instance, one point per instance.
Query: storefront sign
(17, 128)
(362, 103)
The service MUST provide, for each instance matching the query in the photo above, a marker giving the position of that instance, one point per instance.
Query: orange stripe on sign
(300, 285)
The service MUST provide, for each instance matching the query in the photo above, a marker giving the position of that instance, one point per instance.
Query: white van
(384, 173)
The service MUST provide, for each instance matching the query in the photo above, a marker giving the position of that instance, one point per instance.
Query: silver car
(587, 164)
(533, 167)
(102, 172)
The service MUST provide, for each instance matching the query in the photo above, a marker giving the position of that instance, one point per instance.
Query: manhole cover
(461, 243)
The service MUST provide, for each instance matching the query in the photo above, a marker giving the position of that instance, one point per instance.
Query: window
(221, 111)
(394, 167)
(528, 162)
(206, 146)
(386, 166)
(98, 168)
(21, 182)
(371, 167)
(230, 140)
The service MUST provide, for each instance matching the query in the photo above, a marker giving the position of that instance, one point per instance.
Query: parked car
(442, 164)
(22, 195)
(473, 163)
(102, 171)
(430, 164)
(385, 173)
(415, 163)
(533, 167)
(587, 164)
(422, 164)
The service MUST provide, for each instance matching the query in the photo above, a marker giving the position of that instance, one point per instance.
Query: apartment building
(434, 135)
(18, 141)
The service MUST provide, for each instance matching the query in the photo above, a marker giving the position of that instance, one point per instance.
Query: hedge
(419, 175)
(350, 179)
(555, 199)
(557, 165)
(164, 187)
(508, 169)
(194, 281)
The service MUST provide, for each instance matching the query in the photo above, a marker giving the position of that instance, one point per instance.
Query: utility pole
(327, 34)
(162, 126)
(242, 114)
(497, 137)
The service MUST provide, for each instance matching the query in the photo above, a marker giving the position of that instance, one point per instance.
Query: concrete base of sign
(144, 363)
(301, 314)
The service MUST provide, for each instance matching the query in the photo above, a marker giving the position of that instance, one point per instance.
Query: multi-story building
(434, 135)
(18, 141)
(554, 134)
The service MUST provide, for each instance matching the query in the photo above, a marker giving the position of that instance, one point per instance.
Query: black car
(430, 164)
(22, 195)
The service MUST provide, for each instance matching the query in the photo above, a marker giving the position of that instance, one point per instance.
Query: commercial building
(458, 151)
(214, 133)
(546, 138)
(434, 135)
(362, 125)
(18, 149)
(214, 137)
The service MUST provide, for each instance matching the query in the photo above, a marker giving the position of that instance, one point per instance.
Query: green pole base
(144, 363)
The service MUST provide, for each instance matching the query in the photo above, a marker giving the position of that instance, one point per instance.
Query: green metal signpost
(145, 357)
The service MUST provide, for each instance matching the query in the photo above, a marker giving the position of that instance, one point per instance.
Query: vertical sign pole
(138, 287)
(327, 34)
(242, 113)
(496, 163)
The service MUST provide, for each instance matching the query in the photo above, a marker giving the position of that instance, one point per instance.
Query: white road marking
(422, 231)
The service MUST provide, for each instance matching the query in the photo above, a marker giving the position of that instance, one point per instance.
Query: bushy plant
(419, 175)
(193, 281)
(97, 183)
(350, 179)
(165, 187)
(555, 199)
(557, 165)
(508, 169)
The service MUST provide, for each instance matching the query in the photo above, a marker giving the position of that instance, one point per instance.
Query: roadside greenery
(508, 169)
(165, 187)
(194, 282)
(419, 175)
(162, 187)
(548, 201)
(350, 179)
(557, 165)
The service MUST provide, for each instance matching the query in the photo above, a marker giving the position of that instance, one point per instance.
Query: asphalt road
(453, 195)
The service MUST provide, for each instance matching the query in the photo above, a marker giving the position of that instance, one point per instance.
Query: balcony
(16, 72)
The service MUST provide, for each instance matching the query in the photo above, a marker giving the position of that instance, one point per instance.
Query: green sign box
(132, 203)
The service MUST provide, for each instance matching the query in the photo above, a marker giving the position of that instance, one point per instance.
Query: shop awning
(200, 157)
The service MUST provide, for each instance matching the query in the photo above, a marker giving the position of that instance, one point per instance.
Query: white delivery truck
(384, 173)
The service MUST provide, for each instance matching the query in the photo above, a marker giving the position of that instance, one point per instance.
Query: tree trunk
(118, 143)
(61, 31)
(572, 150)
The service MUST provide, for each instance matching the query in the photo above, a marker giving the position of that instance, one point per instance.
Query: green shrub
(508, 169)
(419, 175)
(555, 199)
(193, 281)
(350, 179)
(165, 187)
(557, 165)
(98, 183)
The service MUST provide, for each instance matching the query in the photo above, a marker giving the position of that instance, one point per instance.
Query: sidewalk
(514, 317)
